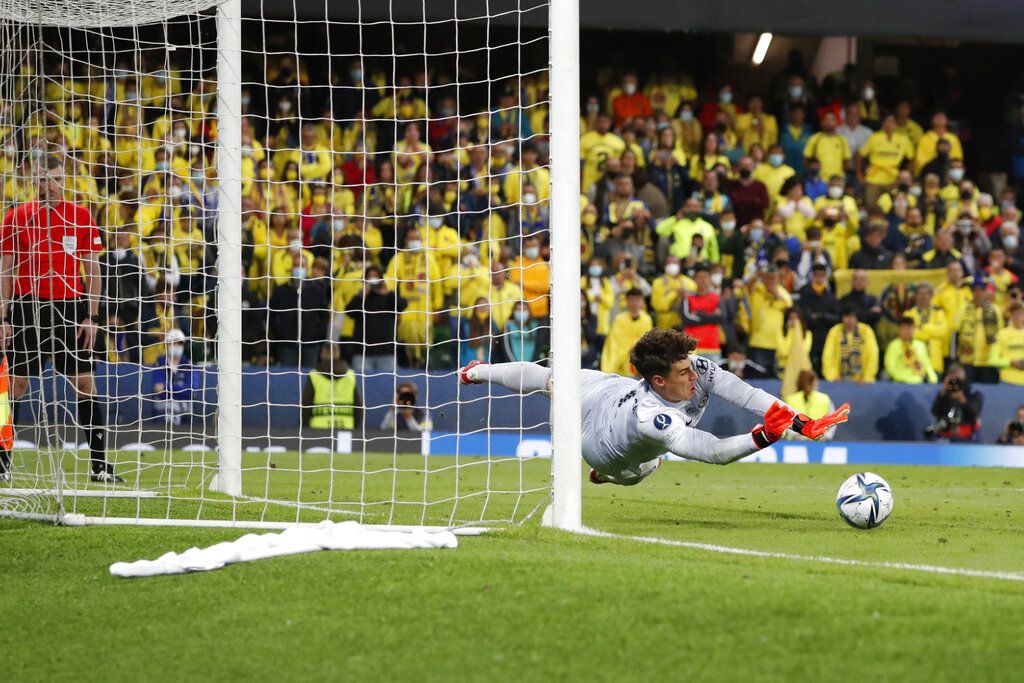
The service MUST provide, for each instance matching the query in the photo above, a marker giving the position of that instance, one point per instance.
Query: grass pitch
(527, 603)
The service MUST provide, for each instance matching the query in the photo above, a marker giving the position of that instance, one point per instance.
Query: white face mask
(176, 352)
(835, 192)
(595, 270)
(295, 245)
(414, 245)
(956, 174)
(915, 190)
(1011, 241)
(436, 222)
(339, 223)
(686, 115)
(298, 272)
(728, 226)
(671, 269)
(529, 198)
(374, 282)
(470, 260)
(869, 93)
(119, 254)
(531, 252)
(629, 88)
(285, 106)
(522, 316)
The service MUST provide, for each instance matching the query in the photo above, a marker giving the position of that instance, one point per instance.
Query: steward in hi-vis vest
(331, 398)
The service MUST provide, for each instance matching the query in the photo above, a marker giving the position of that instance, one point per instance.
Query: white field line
(726, 550)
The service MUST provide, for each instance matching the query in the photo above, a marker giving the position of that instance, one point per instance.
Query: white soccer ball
(864, 500)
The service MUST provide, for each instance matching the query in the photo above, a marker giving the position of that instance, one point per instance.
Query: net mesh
(394, 227)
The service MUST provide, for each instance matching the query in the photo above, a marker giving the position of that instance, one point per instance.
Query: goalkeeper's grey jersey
(625, 423)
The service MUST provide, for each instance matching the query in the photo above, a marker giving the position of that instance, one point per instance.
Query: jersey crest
(662, 421)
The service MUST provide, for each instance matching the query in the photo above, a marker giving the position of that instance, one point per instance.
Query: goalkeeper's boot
(107, 476)
(467, 374)
(596, 477)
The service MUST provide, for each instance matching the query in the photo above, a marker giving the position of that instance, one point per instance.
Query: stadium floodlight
(761, 49)
(247, 173)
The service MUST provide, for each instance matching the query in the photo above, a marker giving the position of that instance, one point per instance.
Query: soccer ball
(864, 500)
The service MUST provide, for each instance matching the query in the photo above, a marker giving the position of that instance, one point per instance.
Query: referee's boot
(106, 475)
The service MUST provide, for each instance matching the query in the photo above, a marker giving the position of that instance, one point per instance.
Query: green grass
(527, 603)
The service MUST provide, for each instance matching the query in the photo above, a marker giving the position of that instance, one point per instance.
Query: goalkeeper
(628, 424)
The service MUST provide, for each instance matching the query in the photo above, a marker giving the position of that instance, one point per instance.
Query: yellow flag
(797, 360)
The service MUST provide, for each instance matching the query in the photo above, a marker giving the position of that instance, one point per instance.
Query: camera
(406, 398)
(954, 384)
(1014, 430)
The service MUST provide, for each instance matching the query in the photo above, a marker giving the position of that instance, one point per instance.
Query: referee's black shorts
(44, 329)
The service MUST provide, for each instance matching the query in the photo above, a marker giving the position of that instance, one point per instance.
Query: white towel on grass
(299, 539)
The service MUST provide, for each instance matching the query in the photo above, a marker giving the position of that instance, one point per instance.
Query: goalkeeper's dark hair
(658, 349)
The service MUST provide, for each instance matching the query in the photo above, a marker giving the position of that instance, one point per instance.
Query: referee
(48, 310)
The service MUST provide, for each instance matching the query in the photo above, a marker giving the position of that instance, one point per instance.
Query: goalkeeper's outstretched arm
(695, 444)
(736, 391)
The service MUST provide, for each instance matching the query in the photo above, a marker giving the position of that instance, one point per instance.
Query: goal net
(293, 226)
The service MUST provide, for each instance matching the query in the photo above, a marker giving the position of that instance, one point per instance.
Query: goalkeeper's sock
(90, 416)
(522, 378)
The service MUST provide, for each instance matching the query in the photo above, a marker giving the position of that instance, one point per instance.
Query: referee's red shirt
(46, 244)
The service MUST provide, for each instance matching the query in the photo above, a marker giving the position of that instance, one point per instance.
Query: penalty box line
(726, 550)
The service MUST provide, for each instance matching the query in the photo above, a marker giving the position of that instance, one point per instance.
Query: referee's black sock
(90, 416)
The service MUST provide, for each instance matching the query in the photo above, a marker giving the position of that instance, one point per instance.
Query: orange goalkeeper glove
(777, 419)
(815, 429)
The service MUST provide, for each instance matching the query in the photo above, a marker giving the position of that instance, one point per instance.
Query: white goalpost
(309, 215)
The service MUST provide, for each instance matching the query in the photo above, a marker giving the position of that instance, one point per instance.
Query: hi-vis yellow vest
(333, 401)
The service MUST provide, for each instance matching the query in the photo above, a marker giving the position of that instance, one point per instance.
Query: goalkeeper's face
(678, 384)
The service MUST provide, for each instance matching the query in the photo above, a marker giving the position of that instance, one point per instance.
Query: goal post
(320, 200)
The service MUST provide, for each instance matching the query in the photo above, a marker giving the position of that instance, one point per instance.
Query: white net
(394, 210)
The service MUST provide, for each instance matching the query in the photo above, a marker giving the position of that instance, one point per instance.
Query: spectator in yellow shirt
(829, 147)
(667, 294)
(313, 158)
(595, 148)
(907, 360)
(880, 159)
(766, 307)
(756, 126)
(976, 329)
(939, 131)
(774, 173)
(414, 274)
(600, 295)
(683, 226)
(533, 274)
(906, 125)
(502, 295)
(930, 326)
(626, 329)
(851, 351)
(1008, 351)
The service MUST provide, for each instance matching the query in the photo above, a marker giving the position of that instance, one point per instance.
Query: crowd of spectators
(377, 214)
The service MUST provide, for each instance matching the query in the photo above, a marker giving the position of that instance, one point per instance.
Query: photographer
(956, 409)
(1013, 432)
(405, 415)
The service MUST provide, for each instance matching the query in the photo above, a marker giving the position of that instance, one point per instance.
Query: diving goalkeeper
(628, 424)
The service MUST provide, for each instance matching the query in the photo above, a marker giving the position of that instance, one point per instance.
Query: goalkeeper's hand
(815, 429)
(777, 419)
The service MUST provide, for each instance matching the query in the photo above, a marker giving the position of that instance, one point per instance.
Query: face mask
(374, 281)
(285, 106)
(471, 260)
(869, 93)
(531, 252)
(414, 245)
(246, 99)
(298, 272)
(985, 213)
(593, 108)
(522, 316)
(436, 222)
(447, 111)
(119, 254)
(915, 190)
(956, 174)
(596, 270)
(716, 279)
(176, 352)
(291, 175)
(162, 166)
(835, 192)
(757, 235)
(295, 245)
(195, 150)
(964, 226)
(357, 75)
(10, 150)
(686, 116)
(775, 160)
(246, 151)
(589, 220)
(1006, 204)
(264, 174)
(629, 88)
(338, 223)
(1011, 241)
(728, 226)
(672, 269)
(966, 195)
(813, 172)
(796, 92)
(745, 173)
(530, 198)
(725, 97)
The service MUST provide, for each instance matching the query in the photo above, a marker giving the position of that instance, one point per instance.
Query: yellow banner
(878, 280)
